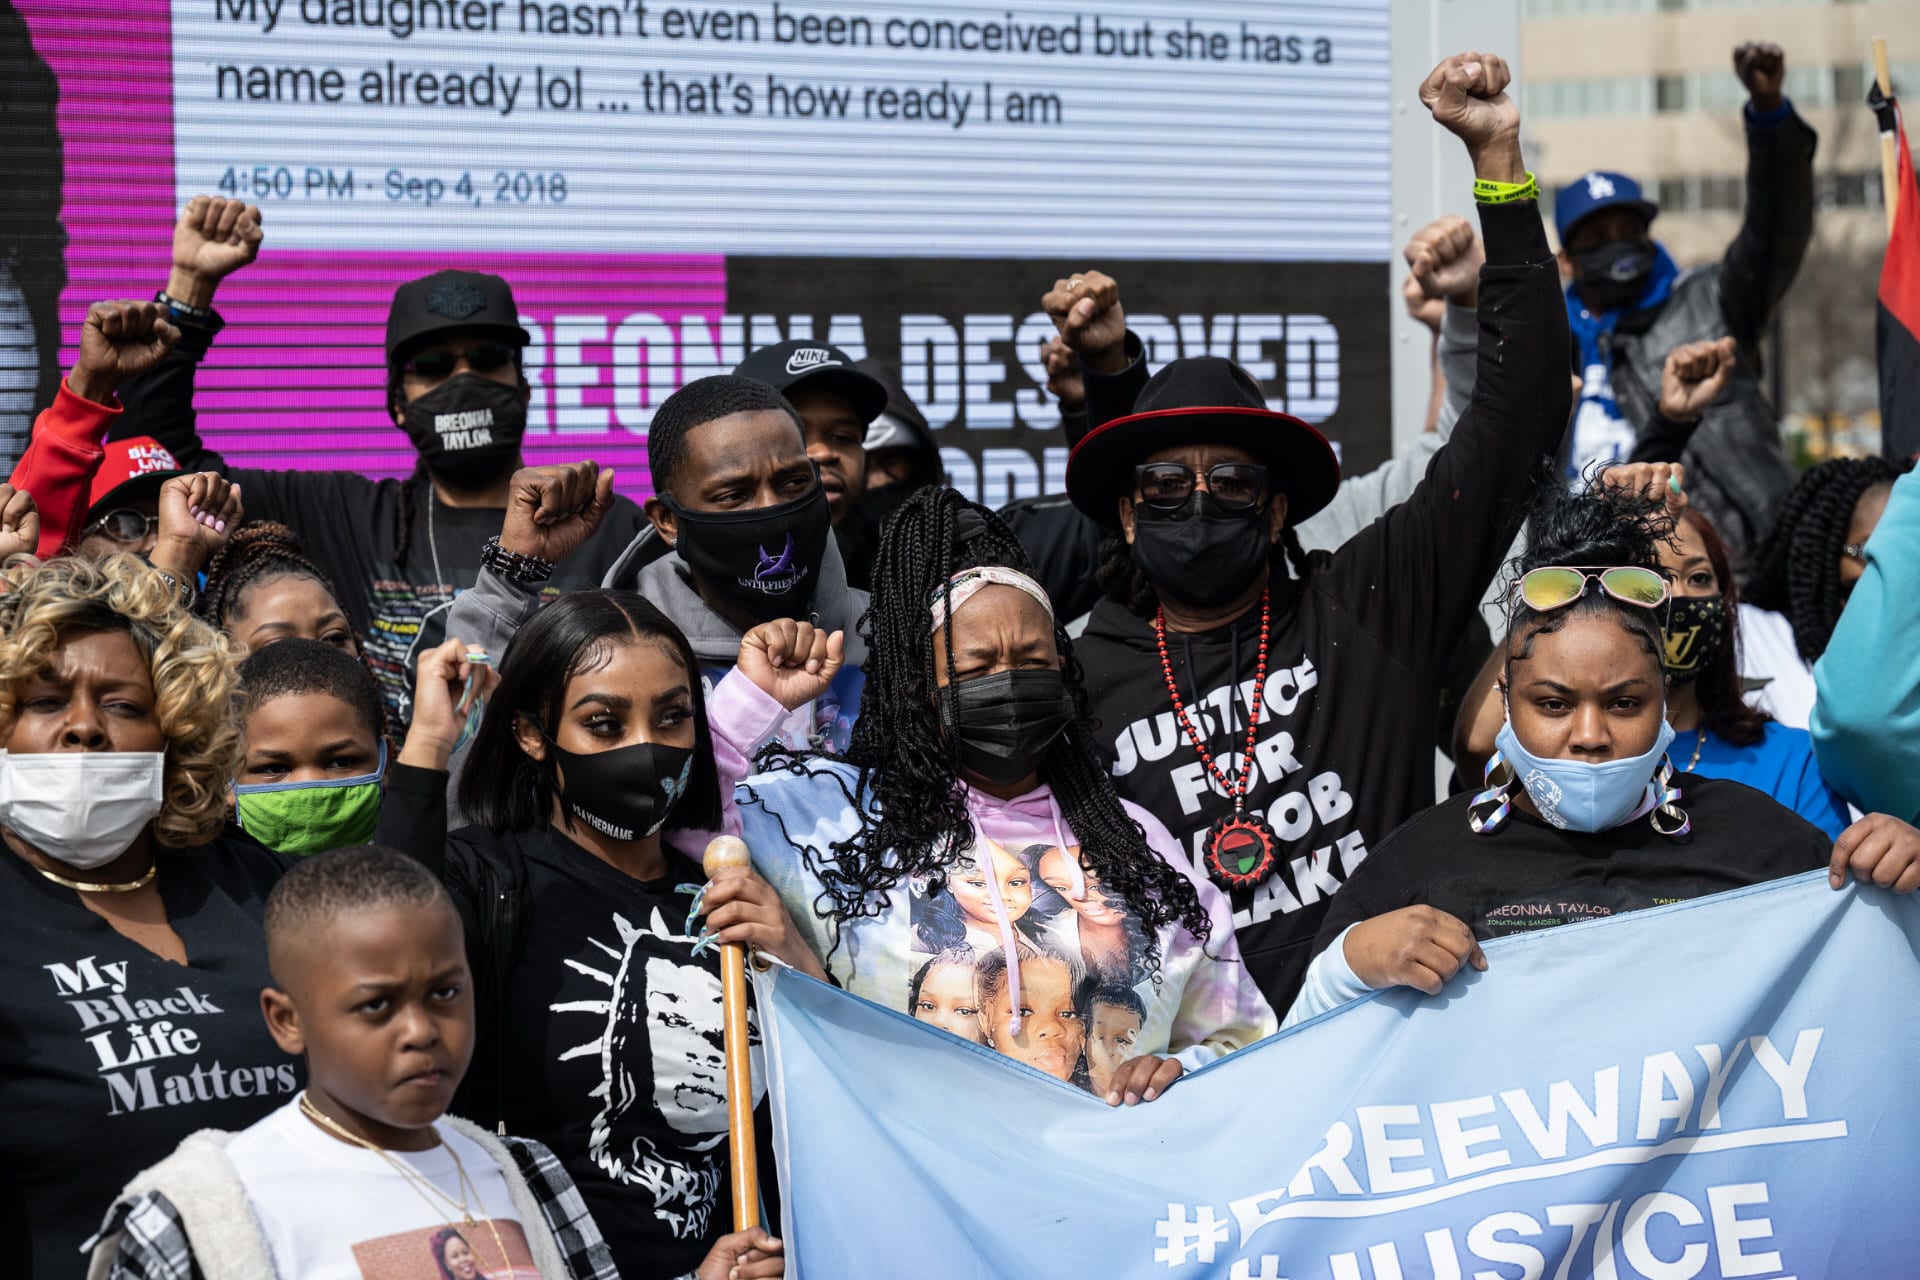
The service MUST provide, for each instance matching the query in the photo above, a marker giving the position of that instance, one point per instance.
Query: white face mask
(81, 807)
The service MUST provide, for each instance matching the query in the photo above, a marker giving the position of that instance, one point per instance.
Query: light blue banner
(1724, 1087)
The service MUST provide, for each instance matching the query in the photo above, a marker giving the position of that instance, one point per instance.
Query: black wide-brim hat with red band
(1201, 400)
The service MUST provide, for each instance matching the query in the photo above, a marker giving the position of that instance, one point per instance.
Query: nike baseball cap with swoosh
(800, 364)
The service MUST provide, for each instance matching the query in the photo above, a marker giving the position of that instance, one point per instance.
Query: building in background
(1647, 87)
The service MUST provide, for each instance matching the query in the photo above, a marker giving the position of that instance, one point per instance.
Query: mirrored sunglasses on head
(1235, 486)
(123, 524)
(437, 363)
(1556, 586)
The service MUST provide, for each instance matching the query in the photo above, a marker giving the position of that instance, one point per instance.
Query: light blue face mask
(1576, 795)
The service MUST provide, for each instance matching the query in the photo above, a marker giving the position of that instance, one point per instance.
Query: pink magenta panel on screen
(297, 378)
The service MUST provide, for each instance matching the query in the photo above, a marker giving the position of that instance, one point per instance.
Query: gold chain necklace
(86, 887)
(417, 1180)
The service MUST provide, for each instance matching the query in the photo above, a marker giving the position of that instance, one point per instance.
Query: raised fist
(19, 523)
(792, 662)
(1762, 67)
(1445, 258)
(1467, 95)
(1654, 481)
(1064, 382)
(552, 510)
(1086, 310)
(119, 342)
(214, 238)
(1693, 378)
(198, 514)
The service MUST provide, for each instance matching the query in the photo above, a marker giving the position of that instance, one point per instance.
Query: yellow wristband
(1486, 191)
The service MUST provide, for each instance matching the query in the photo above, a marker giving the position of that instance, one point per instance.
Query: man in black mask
(739, 533)
(1630, 304)
(395, 550)
(1277, 710)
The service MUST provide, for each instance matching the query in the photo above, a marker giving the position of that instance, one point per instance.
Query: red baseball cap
(133, 469)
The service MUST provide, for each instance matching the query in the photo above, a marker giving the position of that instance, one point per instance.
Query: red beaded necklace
(1240, 850)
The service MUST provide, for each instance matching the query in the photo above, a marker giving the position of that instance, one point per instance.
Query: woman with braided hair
(262, 587)
(971, 739)
(1803, 575)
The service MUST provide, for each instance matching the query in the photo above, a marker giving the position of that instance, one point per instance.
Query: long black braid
(1122, 578)
(905, 742)
(410, 487)
(1797, 571)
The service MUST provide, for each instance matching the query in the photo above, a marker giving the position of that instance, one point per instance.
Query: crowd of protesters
(352, 827)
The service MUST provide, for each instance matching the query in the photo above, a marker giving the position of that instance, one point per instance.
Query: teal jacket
(1866, 723)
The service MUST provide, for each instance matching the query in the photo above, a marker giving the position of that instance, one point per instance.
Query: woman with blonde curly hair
(130, 920)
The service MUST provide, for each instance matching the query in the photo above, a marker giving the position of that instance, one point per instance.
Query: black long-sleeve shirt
(349, 526)
(1359, 648)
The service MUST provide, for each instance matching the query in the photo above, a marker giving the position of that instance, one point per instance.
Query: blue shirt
(1781, 764)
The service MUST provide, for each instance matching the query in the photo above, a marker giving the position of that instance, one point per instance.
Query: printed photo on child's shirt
(450, 1253)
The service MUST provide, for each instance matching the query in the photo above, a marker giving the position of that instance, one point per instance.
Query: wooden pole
(1889, 143)
(723, 852)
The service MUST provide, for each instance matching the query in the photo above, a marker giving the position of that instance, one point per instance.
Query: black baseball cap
(469, 301)
(803, 364)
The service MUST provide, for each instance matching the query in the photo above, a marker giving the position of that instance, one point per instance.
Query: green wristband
(1486, 191)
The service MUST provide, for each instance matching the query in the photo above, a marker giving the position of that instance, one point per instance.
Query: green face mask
(307, 817)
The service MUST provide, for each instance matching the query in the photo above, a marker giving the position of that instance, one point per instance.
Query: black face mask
(765, 561)
(1201, 555)
(1008, 722)
(1614, 274)
(1696, 629)
(468, 429)
(626, 793)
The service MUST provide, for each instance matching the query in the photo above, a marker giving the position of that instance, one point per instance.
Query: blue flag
(1720, 1087)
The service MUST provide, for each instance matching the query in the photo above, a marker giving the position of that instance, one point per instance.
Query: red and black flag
(1898, 322)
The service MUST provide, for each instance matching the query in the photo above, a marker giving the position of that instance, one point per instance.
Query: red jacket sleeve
(59, 465)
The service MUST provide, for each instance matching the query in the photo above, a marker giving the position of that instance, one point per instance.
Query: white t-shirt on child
(332, 1211)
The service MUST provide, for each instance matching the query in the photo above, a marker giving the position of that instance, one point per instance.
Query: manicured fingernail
(1132, 1097)
(219, 526)
(1673, 483)
(1150, 1095)
(1113, 1099)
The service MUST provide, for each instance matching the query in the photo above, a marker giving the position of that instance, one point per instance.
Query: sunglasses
(1236, 486)
(123, 525)
(438, 363)
(1557, 586)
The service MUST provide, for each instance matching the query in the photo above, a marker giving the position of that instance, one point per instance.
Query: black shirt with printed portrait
(605, 1040)
(111, 1055)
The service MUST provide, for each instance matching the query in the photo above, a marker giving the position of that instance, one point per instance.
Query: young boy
(316, 774)
(364, 1176)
